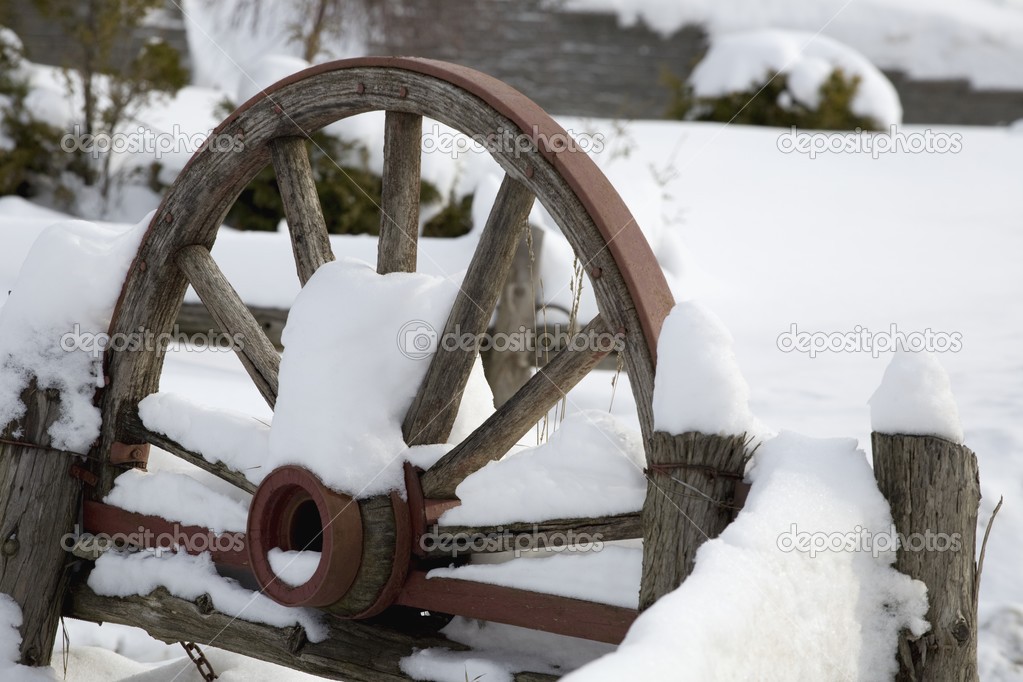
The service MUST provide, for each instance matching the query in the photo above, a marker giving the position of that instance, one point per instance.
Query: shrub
(771, 103)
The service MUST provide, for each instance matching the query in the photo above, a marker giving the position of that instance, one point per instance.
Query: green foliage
(772, 104)
(114, 83)
(32, 158)
(454, 220)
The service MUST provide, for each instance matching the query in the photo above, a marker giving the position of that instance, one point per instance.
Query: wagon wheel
(368, 562)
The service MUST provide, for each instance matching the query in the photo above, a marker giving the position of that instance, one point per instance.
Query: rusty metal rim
(272, 506)
(624, 240)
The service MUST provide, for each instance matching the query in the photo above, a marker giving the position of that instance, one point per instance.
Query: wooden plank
(546, 612)
(494, 437)
(933, 486)
(308, 230)
(355, 651)
(433, 411)
(194, 318)
(38, 507)
(527, 536)
(399, 205)
(257, 354)
(693, 485)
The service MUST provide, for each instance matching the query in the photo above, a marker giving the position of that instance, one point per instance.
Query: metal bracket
(124, 453)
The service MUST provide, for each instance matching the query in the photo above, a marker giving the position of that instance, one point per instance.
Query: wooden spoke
(301, 205)
(494, 437)
(257, 354)
(433, 411)
(606, 528)
(140, 434)
(399, 206)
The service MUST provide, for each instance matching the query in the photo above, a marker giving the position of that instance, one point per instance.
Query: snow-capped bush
(775, 77)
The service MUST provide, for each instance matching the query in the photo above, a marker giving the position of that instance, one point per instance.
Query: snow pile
(188, 577)
(10, 645)
(498, 651)
(608, 574)
(915, 398)
(698, 385)
(738, 62)
(758, 606)
(237, 440)
(980, 40)
(340, 414)
(63, 299)
(293, 567)
(591, 466)
(178, 498)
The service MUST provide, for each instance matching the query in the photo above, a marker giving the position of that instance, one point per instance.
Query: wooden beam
(308, 230)
(494, 437)
(355, 651)
(399, 205)
(257, 354)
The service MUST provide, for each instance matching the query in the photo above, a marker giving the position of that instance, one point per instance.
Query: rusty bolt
(11, 546)
(595, 273)
(277, 109)
(167, 217)
(529, 171)
(137, 454)
(360, 88)
(403, 92)
(142, 265)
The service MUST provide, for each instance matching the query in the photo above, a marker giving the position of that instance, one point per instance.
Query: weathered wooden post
(696, 459)
(933, 487)
(509, 369)
(39, 501)
(932, 483)
(694, 488)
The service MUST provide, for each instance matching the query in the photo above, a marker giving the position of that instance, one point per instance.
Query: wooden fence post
(694, 487)
(39, 503)
(509, 370)
(933, 487)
